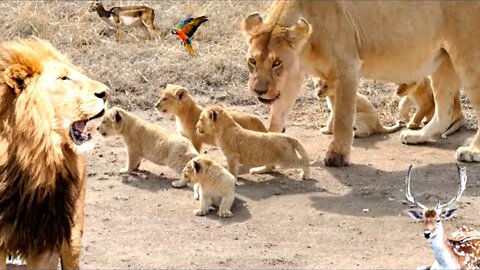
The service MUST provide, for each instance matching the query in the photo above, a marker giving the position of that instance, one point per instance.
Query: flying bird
(185, 30)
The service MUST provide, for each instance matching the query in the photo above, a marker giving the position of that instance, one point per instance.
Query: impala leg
(3, 259)
(46, 260)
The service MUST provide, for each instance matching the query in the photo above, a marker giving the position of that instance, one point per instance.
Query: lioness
(420, 96)
(341, 41)
(149, 141)
(217, 185)
(249, 147)
(46, 104)
(366, 117)
(176, 100)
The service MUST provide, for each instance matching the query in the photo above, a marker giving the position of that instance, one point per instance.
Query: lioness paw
(225, 214)
(334, 159)
(468, 154)
(200, 212)
(125, 170)
(413, 137)
(326, 131)
(413, 125)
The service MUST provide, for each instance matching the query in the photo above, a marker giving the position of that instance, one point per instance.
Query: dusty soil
(352, 217)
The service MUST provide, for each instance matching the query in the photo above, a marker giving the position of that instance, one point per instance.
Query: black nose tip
(427, 234)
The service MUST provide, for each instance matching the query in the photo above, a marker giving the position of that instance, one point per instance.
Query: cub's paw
(200, 212)
(225, 214)
(125, 170)
(468, 154)
(326, 131)
(413, 137)
(179, 183)
(412, 125)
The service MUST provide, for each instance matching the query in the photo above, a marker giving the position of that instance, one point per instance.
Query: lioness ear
(15, 77)
(117, 117)
(196, 166)
(299, 33)
(180, 93)
(251, 23)
(213, 115)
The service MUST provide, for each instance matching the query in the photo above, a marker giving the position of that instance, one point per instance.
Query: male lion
(398, 41)
(45, 106)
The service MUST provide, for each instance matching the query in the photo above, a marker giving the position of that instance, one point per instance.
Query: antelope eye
(64, 78)
(438, 220)
(276, 63)
(252, 61)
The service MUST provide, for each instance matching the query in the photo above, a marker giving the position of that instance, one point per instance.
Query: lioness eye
(252, 61)
(276, 63)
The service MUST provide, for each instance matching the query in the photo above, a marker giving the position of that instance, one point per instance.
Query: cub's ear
(196, 166)
(15, 77)
(180, 93)
(117, 117)
(213, 115)
(299, 33)
(251, 24)
(415, 214)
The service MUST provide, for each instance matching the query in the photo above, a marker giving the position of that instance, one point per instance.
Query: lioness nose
(103, 94)
(260, 88)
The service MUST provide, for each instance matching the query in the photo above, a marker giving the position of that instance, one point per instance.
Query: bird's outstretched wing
(189, 25)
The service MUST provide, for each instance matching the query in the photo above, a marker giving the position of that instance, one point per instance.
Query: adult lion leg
(338, 153)
(46, 260)
(445, 84)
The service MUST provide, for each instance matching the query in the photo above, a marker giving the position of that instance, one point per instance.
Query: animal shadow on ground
(148, 181)
(240, 213)
(275, 184)
(374, 192)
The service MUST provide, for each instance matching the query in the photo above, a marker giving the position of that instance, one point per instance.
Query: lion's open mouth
(80, 133)
(268, 101)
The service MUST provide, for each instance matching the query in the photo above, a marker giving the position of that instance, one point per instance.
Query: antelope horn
(462, 173)
(408, 193)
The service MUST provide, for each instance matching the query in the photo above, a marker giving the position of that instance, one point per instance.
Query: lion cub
(420, 96)
(217, 185)
(251, 148)
(366, 117)
(149, 141)
(176, 100)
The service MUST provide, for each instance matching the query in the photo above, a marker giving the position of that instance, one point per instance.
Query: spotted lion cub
(420, 96)
(176, 100)
(366, 117)
(149, 141)
(252, 148)
(217, 185)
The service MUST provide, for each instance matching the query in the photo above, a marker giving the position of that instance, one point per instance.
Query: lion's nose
(103, 95)
(261, 88)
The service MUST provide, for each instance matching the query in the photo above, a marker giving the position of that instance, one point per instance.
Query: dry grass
(135, 70)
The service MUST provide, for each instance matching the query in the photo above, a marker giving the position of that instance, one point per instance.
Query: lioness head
(210, 120)
(172, 99)
(321, 88)
(52, 97)
(112, 122)
(273, 56)
(196, 166)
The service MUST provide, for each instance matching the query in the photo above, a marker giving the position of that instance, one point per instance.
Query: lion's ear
(299, 33)
(251, 23)
(213, 115)
(180, 93)
(117, 117)
(196, 166)
(15, 77)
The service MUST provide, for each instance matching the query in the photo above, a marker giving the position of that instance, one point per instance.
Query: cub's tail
(301, 152)
(383, 129)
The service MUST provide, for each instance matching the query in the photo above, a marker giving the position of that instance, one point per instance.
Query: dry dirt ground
(351, 217)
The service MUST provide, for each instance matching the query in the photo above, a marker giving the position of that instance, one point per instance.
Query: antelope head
(432, 218)
(94, 4)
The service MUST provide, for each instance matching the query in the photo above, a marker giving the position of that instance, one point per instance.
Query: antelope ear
(15, 77)
(448, 213)
(196, 166)
(299, 33)
(117, 117)
(180, 93)
(213, 115)
(415, 214)
(251, 24)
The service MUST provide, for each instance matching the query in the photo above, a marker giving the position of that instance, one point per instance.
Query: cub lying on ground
(149, 141)
(251, 148)
(176, 100)
(366, 117)
(217, 185)
(420, 96)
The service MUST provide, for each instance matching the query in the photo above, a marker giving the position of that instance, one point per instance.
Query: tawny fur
(42, 176)
(366, 122)
(176, 100)
(148, 141)
(217, 185)
(252, 148)
(343, 41)
(420, 96)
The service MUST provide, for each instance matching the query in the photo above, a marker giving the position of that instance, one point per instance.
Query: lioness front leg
(338, 153)
(444, 86)
(225, 206)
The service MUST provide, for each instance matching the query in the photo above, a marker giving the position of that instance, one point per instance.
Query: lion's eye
(64, 78)
(276, 63)
(252, 61)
